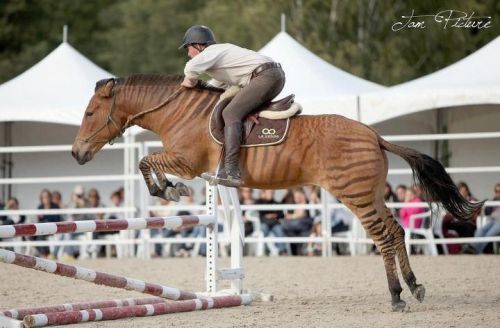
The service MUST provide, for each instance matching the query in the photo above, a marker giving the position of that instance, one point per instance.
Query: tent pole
(65, 33)
(358, 108)
(283, 22)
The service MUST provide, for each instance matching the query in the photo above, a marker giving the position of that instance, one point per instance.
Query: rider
(260, 78)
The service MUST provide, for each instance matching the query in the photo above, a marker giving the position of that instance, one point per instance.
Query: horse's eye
(89, 113)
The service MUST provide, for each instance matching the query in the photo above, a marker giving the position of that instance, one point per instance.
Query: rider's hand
(189, 83)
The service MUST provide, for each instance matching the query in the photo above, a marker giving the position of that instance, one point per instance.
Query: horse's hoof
(399, 306)
(154, 190)
(172, 194)
(419, 293)
(182, 189)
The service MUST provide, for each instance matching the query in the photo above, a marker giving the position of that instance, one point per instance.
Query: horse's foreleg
(159, 163)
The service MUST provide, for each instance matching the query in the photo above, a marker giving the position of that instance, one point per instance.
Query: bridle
(129, 121)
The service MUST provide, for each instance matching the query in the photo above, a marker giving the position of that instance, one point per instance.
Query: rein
(129, 121)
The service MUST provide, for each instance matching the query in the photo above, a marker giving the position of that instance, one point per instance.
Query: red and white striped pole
(71, 317)
(99, 278)
(39, 229)
(21, 313)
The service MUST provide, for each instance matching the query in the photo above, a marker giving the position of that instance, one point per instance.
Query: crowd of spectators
(298, 221)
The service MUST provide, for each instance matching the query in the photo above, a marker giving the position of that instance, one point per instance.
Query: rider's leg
(261, 89)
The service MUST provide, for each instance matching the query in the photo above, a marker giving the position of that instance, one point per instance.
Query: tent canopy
(57, 89)
(320, 87)
(472, 80)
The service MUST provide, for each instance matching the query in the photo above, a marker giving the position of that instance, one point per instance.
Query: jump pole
(96, 277)
(21, 313)
(41, 229)
(70, 317)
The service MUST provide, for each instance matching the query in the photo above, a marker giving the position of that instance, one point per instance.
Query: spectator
(314, 249)
(47, 204)
(270, 219)
(389, 195)
(341, 220)
(162, 233)
(94, 201)
(400, 193)
(492, 228)
(455, 228)
(408, 210)
(314, 198)
(77, 201)
(298, 222)
(400, 198)
(116, 201)
(57, 199)
(13, 204)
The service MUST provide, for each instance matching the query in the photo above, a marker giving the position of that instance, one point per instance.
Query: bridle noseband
(129, 121)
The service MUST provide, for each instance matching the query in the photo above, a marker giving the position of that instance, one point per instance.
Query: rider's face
(192, 51)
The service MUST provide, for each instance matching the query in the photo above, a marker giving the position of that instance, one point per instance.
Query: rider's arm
(199, 64)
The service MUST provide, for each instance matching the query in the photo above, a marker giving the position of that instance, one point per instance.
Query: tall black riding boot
(232, 143)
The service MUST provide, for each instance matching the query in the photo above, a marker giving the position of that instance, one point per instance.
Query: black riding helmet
(200, 34)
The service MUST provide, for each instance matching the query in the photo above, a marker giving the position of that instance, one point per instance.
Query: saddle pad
(266, 133)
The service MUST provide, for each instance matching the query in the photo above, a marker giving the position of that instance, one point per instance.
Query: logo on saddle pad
(268, 134)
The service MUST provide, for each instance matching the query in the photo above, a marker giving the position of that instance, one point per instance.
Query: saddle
(265, 126)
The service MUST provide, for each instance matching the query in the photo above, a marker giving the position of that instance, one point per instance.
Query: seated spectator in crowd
(455, 228)
(408, 210)
(270, 219)
(315, 249)
(389, 195)
(116, 201)
(492, 228)
(13, 204)
(314, 197)
(159, 248)
(94, 201)
(47, 204)
(57, 198)
(400, 198)
(298, 222)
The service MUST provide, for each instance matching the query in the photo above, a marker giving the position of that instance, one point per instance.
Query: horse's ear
(105, 90)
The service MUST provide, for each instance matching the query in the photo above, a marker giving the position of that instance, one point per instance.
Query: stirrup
(230, 181)
(211, 178)
(222, 179)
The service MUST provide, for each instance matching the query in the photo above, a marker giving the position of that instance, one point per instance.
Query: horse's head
(101, 123)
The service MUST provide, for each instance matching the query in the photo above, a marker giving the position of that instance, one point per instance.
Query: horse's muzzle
(81, 158)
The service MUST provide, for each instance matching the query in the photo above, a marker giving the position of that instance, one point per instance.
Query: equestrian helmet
(200, 34)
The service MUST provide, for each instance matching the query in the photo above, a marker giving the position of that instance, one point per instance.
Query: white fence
(133, 151)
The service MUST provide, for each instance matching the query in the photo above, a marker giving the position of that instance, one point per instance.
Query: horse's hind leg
(417, 290)
(374, 219)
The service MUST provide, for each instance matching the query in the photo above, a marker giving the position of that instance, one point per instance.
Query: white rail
(87, 210)
(68, 179)
(444, 136)
(60, 148)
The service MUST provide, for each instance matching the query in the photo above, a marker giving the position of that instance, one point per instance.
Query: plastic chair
(438, 230)
(425, 230)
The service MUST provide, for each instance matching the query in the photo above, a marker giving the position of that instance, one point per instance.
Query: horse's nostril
(73, 153)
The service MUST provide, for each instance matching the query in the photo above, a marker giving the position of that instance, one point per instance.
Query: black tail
(436, 184)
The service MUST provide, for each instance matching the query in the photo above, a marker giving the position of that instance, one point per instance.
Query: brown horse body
(343, 156)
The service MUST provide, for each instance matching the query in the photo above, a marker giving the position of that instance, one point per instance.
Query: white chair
(438, 230)
(425, 230)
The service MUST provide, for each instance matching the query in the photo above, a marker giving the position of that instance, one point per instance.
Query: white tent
(55, 90)
(45, 105)
(320, 87)
(473, 80)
